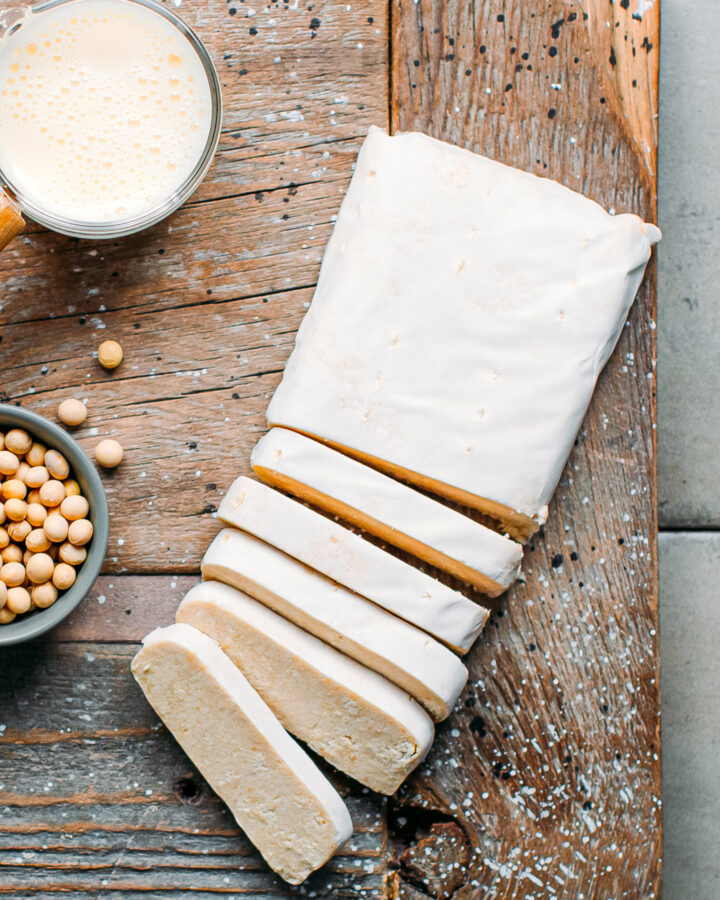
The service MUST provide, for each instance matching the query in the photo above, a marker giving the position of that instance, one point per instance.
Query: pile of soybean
(44, 525)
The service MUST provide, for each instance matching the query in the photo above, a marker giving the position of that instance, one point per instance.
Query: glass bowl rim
(122, 227)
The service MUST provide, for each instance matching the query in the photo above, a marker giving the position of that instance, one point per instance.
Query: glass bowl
(10, 21)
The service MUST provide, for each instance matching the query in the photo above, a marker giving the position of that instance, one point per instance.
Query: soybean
(18, 600)
(72, 412)
(44, 595)
(80, 532)
(109, 453)
(52, 493)
(18, 441)
(63, 577)
(57, 465)
(56, 527)
(40, 568)
(110, 354)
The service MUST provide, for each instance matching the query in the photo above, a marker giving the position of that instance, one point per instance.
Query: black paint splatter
(477, 726)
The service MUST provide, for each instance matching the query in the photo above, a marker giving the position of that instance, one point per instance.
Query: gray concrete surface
(689, 426)
(689, 629)
(689, 285)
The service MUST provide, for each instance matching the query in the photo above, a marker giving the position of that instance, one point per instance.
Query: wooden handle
(11, 222)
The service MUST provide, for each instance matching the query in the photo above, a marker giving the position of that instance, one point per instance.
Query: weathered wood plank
(125, 608)
(551, 767)
(188, 404)
(95, 796)
(624, 39)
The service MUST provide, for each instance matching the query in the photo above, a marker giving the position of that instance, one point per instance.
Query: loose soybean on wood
(72, 412)
(110, 354)
(109, 453)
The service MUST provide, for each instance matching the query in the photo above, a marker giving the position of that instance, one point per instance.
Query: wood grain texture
(551, 767)
(124, 608)
(625, 42)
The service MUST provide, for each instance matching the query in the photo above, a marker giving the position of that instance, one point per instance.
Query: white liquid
(105, 110)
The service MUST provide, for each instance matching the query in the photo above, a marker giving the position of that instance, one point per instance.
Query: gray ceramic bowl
(38, 622)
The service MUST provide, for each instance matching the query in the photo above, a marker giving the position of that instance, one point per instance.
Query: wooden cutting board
(545, 782)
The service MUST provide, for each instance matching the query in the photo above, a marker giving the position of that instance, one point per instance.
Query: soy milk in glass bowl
(110, 114)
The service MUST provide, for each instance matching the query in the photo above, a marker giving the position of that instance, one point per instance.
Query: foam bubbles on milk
(105, 110)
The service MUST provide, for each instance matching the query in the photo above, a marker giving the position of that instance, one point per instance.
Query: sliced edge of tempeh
(389, 509)
(349, 559)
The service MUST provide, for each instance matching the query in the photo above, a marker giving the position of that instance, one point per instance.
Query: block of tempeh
(463, 313)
